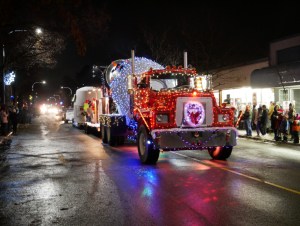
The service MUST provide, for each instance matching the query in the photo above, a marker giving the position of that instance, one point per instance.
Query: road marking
(237, 173)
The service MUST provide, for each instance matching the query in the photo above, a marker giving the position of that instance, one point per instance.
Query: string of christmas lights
(9, 78)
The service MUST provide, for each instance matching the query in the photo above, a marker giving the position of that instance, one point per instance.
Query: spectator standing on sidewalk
(25, 115)
(264, 120)
(253, 117)
(284, 128)
(291, 118)
(14, 118)
(271, 109)
(275, 122)
(257, 121)
(247, 120)
(296, 129)
(4, 121)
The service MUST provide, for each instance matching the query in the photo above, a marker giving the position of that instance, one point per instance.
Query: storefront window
(295, 97)
(283, 95)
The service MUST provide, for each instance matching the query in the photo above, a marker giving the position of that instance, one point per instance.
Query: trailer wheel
(220, 153)
(103, 134)
(111, 139)
(86, 129)
(121, 140)
(148, 154)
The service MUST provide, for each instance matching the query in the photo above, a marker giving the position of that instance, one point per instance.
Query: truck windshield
(169, 83)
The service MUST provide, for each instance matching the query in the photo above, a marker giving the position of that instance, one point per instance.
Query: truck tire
(220, 153)
(103, 134)
(147, 153)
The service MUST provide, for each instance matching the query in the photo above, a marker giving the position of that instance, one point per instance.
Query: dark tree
(163, 47)
(80, 20)
(61, 21)
(25, 49)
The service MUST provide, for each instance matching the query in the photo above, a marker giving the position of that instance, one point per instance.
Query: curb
(6, 140)
(268, 140)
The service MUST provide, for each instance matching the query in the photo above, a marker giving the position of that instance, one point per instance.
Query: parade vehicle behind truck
(86, 109)
(170, 108)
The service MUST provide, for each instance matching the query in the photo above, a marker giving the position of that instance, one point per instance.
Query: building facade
(273, 79)
(233, 86)
(283, 72)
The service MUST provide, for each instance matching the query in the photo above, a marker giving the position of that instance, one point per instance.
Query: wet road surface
(54, 174)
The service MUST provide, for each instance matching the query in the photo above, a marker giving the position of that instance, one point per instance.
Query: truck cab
(175, 110)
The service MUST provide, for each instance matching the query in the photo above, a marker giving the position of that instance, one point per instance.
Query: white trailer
(87, 102)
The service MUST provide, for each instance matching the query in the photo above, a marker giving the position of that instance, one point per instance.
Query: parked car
(69, 115)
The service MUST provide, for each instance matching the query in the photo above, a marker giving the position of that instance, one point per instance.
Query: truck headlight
(223, 118)
(162, 118)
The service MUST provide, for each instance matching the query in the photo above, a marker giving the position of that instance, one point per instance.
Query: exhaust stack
(130, 76)
(185, 64)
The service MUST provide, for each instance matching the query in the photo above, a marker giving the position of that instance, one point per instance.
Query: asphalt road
(54, 174)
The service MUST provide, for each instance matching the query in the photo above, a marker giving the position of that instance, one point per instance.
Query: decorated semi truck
(165, 108)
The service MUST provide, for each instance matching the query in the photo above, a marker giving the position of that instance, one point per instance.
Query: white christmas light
(9, 78)
(119, 81)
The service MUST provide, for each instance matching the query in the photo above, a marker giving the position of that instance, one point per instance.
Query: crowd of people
(285, 125)
(12, 115)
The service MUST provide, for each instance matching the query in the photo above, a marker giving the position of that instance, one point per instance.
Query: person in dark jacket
(257, 120)
(284, 127)
(247, 116)
(296, 129)
(275, 122)
(291, 118)
(4, 121)
(264, 120)
(14, 118)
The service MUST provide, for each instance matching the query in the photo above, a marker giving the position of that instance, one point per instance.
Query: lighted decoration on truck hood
(194, 111)
(194, 114)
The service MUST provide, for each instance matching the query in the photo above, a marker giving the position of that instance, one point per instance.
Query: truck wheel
(148, 154)
(103, 134)
(220, 153)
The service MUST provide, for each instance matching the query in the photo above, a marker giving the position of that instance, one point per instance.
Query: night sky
(247, 27)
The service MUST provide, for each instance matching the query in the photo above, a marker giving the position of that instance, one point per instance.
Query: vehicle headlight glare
(223, 117)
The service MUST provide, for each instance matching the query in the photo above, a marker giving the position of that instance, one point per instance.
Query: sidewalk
(269, 137)
(5, 140)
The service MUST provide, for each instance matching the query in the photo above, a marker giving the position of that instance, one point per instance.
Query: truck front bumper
(194, 138)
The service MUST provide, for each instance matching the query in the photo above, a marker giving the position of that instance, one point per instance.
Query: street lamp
(52, 98)
(65, 87)
(38, 31)
(43, 82)
(56, 95)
